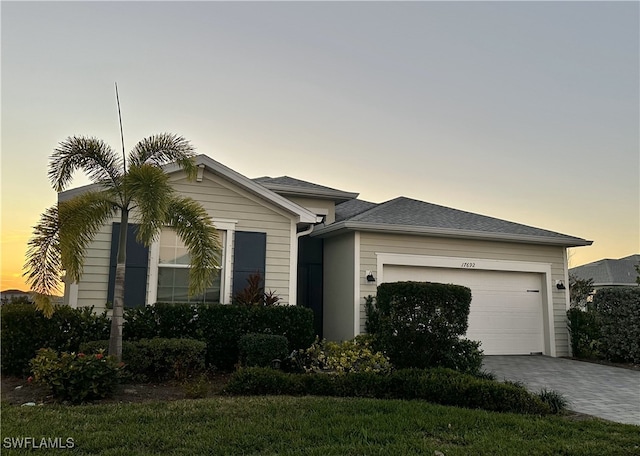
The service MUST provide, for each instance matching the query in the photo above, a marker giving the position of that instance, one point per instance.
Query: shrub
(584, 330)
(197, 388)
(254, 295)
(259, 350)
(165, 320)
(619, 311)
(76, 377)
(24, 330)
(341, 357)
(441, 386)
(464, 355)
(159, 359)
(220, 326)
(418, 324)
(556, 401)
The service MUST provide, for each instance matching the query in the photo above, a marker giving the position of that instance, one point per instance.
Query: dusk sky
(527, 112)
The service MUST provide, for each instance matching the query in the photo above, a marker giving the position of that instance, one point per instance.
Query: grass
(310, 426)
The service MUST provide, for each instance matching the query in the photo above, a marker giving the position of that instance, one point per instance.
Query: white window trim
(225, 282)
(481, 264)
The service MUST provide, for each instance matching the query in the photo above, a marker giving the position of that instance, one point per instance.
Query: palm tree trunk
(115, 339)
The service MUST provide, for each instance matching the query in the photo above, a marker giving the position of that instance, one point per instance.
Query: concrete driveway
(611, 393)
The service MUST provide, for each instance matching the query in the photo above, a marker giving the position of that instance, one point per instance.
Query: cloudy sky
(523, 111)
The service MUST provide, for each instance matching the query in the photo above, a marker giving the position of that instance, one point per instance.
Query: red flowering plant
(76, 377)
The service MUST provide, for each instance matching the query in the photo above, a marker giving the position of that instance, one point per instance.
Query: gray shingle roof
(419, 216)
(609, 271)
(352, 208)
(290, 186)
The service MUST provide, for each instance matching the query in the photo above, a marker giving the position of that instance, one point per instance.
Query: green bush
(556, 401)
(293, 322)
(76, 377)
(419, 324)
(168, 321)
(259, 350)
(354, 355)
(220, 326)
(584, 331)
(24, 330)
(440, 386)
(464, 355)
(159, 359)
(619, 311)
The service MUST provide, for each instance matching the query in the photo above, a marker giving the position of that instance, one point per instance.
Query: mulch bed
(17, 391)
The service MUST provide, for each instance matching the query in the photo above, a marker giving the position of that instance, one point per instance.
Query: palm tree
(137, 188)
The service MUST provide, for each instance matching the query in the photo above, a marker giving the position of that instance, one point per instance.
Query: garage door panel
(506, 307)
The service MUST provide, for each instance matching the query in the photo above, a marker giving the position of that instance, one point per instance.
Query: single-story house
(325, 249)
(609, 273)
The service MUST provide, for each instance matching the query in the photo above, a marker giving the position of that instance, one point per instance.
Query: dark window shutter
(249, 257)
(135, 280)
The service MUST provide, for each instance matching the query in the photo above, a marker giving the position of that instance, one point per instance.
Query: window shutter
(135, 280)
(249, 257)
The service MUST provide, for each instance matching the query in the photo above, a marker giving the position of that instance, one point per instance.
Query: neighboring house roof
(11, 294)
(608, 272)
(406, 215)
(290, 186)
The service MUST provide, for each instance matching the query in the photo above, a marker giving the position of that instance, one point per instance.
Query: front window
(173, 271)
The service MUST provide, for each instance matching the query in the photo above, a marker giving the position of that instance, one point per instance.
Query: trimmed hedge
(259, 350)
(158, 359)
(439, 386)
(220, 326)
(419, 325)
(619, 312)
(584, 330)
(24, 330)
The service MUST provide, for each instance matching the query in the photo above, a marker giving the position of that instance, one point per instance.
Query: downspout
(305, 232)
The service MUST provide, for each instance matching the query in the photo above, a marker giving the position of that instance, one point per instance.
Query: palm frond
(164, 148)
(91, 155)
(150, 192)
(42, 268)
(194, 226)
(80, 219)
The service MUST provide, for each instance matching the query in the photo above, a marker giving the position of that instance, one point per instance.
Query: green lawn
(309, 425)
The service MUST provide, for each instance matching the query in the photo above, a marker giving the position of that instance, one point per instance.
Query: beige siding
(339, 298)
(372, 243)
(317, 203)
(222, 200)
(92, 288)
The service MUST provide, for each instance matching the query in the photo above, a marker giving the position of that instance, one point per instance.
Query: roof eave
(335, 228)
(337, 196)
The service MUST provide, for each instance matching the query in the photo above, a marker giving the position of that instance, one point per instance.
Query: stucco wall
(339, 297)
(317, 203)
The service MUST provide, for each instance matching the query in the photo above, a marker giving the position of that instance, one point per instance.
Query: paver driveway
(612, 393)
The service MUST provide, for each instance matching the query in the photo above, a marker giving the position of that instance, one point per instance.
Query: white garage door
(506, 307)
